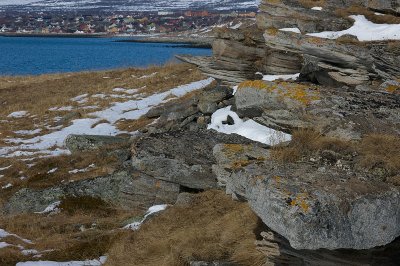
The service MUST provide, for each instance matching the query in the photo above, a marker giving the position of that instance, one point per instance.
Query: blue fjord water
(40, 55)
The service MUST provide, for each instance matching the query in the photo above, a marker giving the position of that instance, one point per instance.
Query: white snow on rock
(51, 171)
(7, 186)
(248, 129)
(4, 245)
(284, 77)
(52, 208)
(62, 108)
(18, 114)
(28, 132)
(150, 211)
(148, 76)
(365, 30)
(5, 168)
(318, 8)
(75, 171)
(132, 109)
(295, 30)
(4, 233)
(95, 262)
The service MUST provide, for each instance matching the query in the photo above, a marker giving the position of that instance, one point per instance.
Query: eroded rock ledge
(311, 205)
(262, 47)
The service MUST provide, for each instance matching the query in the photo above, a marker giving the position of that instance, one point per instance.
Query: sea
(42, 55)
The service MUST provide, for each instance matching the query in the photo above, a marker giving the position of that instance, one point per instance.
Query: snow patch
(130, 110)
(318, 8)
(52, 208)
(95, 262)
(18, 114)
(284, 77)
(365, 30)
(150, 211)
(295, 30)
(248, 129)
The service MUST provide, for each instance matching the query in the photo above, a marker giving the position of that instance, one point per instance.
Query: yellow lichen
(234, 147)
(392, 88)
(257, 84)
(300, 201)
(272, 31)
(240, 164)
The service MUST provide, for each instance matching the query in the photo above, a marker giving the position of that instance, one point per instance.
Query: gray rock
(127, 189)
(80, 143)
(68, 117)
(332, 208)
(181, 157)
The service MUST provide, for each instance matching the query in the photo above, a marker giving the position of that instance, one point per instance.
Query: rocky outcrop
(193, 112)
(124, 188)
(262, 47)
(162, 166)
(180, 157)
(313, 206)
(341, 112)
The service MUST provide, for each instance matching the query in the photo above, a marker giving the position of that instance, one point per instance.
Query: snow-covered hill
(128, 5)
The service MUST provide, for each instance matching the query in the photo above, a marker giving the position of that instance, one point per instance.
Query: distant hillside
(127, 5)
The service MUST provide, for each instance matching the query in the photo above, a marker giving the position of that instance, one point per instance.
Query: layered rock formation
(262, 47)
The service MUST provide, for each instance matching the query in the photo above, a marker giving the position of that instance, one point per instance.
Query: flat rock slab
(126, 188)
(182, 157)
(313, 207)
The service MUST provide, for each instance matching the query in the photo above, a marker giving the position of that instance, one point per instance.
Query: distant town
(128, 23)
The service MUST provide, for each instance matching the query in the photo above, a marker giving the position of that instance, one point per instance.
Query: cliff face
(278, 43)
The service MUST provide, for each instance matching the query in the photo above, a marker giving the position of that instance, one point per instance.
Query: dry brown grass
(380, 151)
(212, 228)
(369, 14)
(37, 94)
(306, 143)
(40, 176)
(375, 151)
(133, 125)
(312, 3)
(85, 229)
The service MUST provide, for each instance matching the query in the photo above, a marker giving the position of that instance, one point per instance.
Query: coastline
(56, 35)
(192, 42)
(188, 41)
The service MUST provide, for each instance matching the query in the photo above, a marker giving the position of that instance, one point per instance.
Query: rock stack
(278, 44)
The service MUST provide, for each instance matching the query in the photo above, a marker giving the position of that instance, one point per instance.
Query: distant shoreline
(55, 35)
(190, 42)
(199, 42)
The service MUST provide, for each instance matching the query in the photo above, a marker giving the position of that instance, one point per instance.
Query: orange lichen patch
(300, 201)
(158, 184)
(393, 89)
(316, 40)
(285, 90)
(234, 147)
(272, 31)
(240, 164)
(301, 94)
(257, 84)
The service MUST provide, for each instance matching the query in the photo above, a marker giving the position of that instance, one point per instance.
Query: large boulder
(311, 205)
